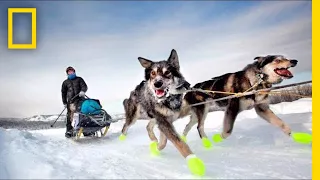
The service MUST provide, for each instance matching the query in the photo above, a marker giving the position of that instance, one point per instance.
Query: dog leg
(230, 116)
(192, 122)
(169, 131)
(163, 141)
(265, 113)
(150, 131)
(201, 116)
(132, 114)
(154, 141)
(195, 164)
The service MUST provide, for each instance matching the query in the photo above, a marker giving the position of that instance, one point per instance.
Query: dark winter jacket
(70, 88)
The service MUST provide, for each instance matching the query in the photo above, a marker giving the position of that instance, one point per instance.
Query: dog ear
(174, 59)
(146, 63)
(262, 61)
(259, 58)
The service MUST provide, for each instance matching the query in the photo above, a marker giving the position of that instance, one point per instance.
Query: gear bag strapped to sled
(90, 106)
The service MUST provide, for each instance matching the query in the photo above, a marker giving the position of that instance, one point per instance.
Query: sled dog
(264, 72)
(160, 98)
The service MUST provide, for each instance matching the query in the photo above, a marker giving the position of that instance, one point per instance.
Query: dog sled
(90, 120)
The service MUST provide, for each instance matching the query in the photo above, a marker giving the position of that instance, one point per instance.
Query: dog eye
(277, 61)
(167, 73)
(153, 73)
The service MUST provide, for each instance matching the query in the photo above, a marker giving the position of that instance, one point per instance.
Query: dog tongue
(159, 92)
(284, 72)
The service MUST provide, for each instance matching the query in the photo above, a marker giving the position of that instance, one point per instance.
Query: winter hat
(70, 68)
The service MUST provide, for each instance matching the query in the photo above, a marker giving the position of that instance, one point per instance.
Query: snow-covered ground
(256, 150)
(46, 118)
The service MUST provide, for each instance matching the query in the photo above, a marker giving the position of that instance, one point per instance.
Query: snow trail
(256, 150)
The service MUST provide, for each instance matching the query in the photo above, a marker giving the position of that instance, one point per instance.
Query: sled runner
(90, 119)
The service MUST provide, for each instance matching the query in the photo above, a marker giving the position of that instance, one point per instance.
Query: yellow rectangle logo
(33, 44)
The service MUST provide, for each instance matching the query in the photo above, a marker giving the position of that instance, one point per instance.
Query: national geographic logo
(33, 44)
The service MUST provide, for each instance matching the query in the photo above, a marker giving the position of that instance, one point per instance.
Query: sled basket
(90, 124)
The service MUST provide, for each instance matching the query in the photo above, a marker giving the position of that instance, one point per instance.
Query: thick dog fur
(268, 70)
(157, 97)
(262, 69)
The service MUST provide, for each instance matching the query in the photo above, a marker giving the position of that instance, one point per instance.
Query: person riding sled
(73, 90)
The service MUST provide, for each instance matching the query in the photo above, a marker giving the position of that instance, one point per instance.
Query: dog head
(276, 67)
(163, 76)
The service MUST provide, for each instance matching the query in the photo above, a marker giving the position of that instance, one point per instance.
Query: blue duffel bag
(90, 106)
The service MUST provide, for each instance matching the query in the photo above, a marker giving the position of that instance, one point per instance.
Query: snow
(46, 118)
(256, 150)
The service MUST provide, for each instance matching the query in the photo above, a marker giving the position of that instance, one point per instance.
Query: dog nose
(158, 84)
(294, 62)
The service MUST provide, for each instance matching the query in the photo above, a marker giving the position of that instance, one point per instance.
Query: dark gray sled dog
(160, 97)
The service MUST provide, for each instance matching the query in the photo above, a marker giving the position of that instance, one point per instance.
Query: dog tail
(125, 101)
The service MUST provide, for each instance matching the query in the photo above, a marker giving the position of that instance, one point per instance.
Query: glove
(82, 94)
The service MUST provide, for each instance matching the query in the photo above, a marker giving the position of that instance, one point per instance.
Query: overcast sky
(102, 40)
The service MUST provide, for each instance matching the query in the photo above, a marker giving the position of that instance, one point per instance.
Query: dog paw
(301, 137)
(122, 137)
(154, 148)
(196, 165)
(206, 142)
(183, 138)
(217, 138)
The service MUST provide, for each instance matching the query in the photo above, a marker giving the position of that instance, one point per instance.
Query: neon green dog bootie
(206, 142)
(302, 138)
(122, 137)
(184, 138)
(195, 165)
(154, 148)
(217, 138)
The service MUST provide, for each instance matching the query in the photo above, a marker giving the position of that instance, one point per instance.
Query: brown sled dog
(160, 97)
(263, 73)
